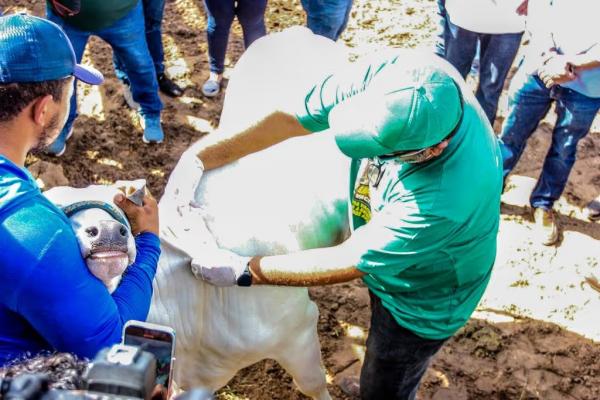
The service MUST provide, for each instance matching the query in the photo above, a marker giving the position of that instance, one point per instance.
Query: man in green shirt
(121, 24)
(426, 176)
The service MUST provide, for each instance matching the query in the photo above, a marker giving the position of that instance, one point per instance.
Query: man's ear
(41, 110)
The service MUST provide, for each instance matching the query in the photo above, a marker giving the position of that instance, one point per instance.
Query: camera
(119, 372)
(123, 371)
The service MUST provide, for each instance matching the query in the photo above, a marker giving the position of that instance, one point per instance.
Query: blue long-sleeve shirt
(48, 298)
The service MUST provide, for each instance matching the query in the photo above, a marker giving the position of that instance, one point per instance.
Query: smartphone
(158, 340)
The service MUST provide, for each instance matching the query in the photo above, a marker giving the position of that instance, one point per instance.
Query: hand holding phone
(158, 340)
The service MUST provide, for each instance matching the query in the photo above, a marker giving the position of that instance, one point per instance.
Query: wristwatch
(245, 279)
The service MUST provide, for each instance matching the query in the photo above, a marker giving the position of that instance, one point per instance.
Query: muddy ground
(524, 359)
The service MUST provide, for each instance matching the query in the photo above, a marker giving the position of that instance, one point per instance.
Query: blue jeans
(529, 102)
(327, 17)
(128, 41)
(153, 15)
(220, 14)
(396, 358)
(497, 53)
(441, 29)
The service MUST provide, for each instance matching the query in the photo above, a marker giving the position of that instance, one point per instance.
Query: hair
(14, 97)
(64, 370)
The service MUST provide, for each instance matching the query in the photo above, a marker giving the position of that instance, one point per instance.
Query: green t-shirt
(96, 15)
(430, 241)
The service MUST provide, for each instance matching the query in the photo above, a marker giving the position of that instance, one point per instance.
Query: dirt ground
(523, 359)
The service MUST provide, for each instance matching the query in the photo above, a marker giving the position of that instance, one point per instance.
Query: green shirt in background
(96, 15)
(430, 241)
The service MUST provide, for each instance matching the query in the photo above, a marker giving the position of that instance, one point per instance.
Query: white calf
(286, 198)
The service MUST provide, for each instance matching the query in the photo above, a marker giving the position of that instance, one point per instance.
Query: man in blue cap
(48, 298)
(426, 176)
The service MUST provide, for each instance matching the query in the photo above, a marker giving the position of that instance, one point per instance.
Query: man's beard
(45, 139)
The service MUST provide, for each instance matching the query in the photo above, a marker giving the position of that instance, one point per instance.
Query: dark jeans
(153, 15)
(327, 17)
(396, 358)
(128, 41)
(498, 52)
(529, 102)
(441, 29)
(220, 14)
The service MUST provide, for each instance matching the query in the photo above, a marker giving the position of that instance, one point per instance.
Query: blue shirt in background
(48, 298)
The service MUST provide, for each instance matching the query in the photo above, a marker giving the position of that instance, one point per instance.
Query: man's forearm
(306, 268)
(134, 293)
(276, 127)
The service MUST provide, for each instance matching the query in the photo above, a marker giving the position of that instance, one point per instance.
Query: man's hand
(142, 219)
(220, 267)
(556, 70)
(159, 393)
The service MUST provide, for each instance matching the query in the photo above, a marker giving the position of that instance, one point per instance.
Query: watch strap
(245, 279)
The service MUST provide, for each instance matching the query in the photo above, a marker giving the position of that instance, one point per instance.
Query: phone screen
(156, 342)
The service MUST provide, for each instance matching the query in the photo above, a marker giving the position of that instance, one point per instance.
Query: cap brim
(359, 144)
(88, 74)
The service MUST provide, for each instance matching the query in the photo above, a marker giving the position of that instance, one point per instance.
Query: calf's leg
(300, 355)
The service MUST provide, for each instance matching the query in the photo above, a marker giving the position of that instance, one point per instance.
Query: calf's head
(106, 244)
(102, 230)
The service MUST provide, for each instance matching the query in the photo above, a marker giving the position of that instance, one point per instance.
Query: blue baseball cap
(33, 49)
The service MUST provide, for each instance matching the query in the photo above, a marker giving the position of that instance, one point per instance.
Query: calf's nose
(108, 232)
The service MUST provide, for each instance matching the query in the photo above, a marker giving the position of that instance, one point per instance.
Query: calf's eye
(92, 231)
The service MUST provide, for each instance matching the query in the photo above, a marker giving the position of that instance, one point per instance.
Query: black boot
(168, 87)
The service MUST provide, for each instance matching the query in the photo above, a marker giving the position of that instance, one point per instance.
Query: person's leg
(529, 101)
(575, 114)
(441, 29)
(78, 40)
(120, 69)
(476, 58)
(327, 17)
(153, 15)
(153, 12)
(395, 359)
(251, 14)
(342, 27)
(461, 45)
(497, 55)
(128, 41)
(219, 15)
